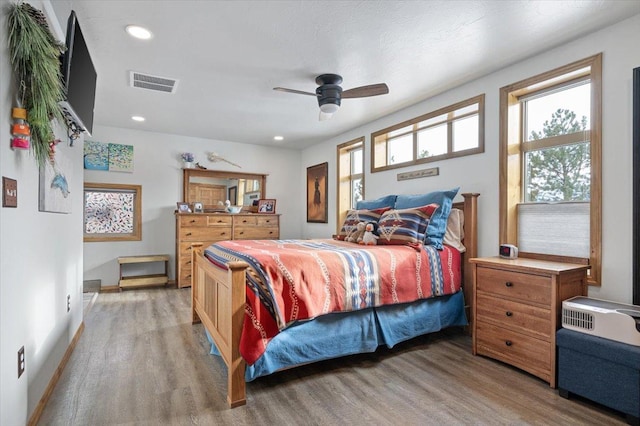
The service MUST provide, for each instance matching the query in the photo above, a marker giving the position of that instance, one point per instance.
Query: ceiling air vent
(152, 82)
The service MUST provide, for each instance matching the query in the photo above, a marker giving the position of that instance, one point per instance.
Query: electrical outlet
(68, 302)
(21, 361)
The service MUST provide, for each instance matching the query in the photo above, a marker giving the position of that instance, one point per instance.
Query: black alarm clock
(508, 251)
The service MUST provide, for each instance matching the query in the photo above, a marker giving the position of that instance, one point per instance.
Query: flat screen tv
(79, 77)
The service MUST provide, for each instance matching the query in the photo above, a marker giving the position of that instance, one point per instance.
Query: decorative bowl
(234, 209)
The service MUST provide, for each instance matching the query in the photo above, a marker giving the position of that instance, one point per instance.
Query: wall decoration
(35, 54)
(112, 212)
(9, 192)
(120, 158)
(55, 178)
(267, 206)
(317, 197)
(110, 157)
(96, 155)
(433, 171)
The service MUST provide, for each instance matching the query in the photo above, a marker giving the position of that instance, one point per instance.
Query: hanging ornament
(52, 150)
(20, 131)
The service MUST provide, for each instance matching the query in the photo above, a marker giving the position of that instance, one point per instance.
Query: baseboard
(37, 412)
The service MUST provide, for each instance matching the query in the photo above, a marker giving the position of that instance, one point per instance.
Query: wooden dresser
(208, 228)
(517, 309)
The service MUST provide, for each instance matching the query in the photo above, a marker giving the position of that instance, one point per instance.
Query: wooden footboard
(217, 300)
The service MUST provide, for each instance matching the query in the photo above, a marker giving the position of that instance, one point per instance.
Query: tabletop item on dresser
(508, 251)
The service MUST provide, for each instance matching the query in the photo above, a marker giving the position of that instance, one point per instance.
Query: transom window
(350, 176)
(550, 163)
(452, 131)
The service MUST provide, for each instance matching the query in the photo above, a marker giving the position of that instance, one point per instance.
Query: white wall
(40, 264)
(157, 167)
(479, 173)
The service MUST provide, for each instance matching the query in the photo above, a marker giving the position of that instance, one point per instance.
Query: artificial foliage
(35, 57)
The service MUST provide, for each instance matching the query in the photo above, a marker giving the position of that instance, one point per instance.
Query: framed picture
(266, 206)
(183, 207)
(197, 207)
(317, 199)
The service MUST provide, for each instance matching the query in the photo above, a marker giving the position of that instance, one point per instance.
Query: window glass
(432, 141)
(401, 149)
(465, 133)
(541, 111)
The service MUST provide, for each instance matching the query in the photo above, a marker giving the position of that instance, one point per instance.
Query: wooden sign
(9, 192)
(419, 174)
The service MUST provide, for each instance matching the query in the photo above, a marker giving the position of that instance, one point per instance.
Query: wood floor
(140, 361)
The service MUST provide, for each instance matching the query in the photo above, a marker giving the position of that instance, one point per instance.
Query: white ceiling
(228, 56)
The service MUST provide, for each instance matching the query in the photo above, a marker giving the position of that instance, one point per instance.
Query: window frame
(136, 235)
(379, 148)
(345, 177)
(511, 157)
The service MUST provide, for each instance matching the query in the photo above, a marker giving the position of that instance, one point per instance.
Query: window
(350, 176)
(453, 131)
(550, 162)
(112, 212)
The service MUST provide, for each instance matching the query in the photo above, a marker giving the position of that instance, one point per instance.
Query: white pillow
(455, 230)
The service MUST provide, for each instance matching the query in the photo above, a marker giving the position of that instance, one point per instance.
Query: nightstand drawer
(518, 316)
(525, 352)
(517, 285)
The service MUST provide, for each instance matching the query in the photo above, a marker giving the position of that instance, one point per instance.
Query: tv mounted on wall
(78, 77)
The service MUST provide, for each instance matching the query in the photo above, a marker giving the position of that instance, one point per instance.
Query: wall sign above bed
(433, 171)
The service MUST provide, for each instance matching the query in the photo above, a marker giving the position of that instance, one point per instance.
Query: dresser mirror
(213, 187)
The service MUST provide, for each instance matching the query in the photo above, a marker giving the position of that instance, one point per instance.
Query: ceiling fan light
(329, 108)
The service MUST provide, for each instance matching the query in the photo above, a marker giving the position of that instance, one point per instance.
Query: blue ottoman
(602, 370)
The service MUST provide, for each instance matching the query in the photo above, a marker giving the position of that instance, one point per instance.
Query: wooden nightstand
(516, 310)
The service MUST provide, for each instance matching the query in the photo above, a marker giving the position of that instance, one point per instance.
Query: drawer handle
(223, 233)
(219, 221)
(193, 221)
(188, 276)
(188, 262)
(244, 221)
(509, 284)
(508, 343)
(509, 313)
(241, 233)
(189, 248)
(188, 233)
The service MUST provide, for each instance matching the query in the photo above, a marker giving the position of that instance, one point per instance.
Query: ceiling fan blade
(299, 92)
(365, 91)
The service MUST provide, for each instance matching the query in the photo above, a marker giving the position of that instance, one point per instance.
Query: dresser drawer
(525, 352)
(197, 220)
(218, 233)
(516, 285)
(267, 221)
(514, 315)
(245, 221)
(255, 233)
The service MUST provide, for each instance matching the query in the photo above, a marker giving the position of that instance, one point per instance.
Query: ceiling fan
(330, 94)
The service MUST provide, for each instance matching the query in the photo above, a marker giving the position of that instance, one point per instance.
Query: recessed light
(138, 32)
(137, 118)
(278, 138)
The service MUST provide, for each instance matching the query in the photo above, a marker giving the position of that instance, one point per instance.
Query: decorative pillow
(438, 223)
(455, 230)
(386, 201)
(355, 216)
(406, 226)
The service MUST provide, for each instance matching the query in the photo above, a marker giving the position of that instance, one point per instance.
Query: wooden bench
(143, 280)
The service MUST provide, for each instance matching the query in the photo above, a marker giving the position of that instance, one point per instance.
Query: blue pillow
(386, 201)
(438, 223)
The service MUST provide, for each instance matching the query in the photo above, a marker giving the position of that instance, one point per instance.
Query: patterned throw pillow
(405, 226)
(355, 216)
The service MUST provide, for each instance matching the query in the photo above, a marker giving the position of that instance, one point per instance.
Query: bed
(244, 316)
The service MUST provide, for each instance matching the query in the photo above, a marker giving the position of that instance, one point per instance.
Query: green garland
(35, 56)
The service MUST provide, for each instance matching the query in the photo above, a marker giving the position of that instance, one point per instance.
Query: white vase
(188, 165)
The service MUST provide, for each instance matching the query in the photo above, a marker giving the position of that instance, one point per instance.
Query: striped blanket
(294, 280)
